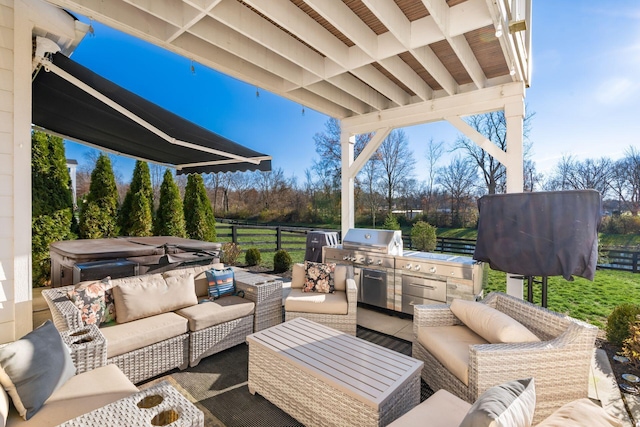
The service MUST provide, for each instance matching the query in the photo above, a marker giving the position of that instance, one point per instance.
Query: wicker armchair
(321, 307)
(560, 362)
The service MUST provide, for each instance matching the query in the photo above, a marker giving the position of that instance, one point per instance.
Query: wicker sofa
(559, 361)
(160, 331)
(337, 310)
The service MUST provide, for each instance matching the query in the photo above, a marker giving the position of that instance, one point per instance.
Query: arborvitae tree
(198, 214)
(169, 220)
(99, 213)
(134, 223)
(52, 203)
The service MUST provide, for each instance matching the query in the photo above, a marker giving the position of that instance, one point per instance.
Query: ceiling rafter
(440, 13)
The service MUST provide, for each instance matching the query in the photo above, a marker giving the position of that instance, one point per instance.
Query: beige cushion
(81, 394)
(199, 277)
(580, 413)
(150, 295)
(450, 345)
(125, 337)
(213, 313)
(297, 276)
(313, 302)
(340, 277)
(491, 324)
(442, 409)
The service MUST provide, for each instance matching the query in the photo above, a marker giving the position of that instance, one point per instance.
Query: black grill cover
(551, 233)
(315, 241)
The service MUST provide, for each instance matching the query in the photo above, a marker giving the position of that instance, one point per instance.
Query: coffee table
(324, 377)
(173, 409)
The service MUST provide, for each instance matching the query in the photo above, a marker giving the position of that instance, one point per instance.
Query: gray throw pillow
(507, 405)
(33, 367)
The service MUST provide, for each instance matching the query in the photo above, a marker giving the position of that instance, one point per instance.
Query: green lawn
(581, 298)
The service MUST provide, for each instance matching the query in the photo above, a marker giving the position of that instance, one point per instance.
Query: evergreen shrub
(198, 213)
(169, 219)
(282, 261)
(252, 256)
(619, 322)
(423, 236)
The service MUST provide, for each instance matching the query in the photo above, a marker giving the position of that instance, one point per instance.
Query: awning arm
(50, 66)
(216, 162)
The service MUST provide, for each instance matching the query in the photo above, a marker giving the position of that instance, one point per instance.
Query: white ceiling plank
(345, 21)
(440, 13)
(405, 74)
(374, 78)
(391, 17)
(476, 102)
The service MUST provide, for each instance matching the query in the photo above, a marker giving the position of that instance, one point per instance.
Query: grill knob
(432, 270)
(369, 261)
(362, 259)
(345, 258)
(408, 266)
(417, 268)
(379, 262)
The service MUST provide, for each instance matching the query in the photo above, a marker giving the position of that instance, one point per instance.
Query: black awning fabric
(61, 107)
(551, 233)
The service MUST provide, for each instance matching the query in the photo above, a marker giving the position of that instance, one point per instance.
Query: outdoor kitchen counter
(323, 377)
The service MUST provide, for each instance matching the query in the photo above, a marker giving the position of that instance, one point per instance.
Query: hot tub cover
(552, 233)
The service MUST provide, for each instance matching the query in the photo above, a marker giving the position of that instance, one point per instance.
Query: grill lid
(380, 241)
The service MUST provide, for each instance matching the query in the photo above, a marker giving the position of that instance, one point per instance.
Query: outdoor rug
(218, 386)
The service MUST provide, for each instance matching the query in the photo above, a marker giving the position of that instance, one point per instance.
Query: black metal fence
(269, 238)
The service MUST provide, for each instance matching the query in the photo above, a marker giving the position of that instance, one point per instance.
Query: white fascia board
(476, 102)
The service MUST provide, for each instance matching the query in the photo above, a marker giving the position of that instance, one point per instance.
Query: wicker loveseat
(337, 310)
(559, 361)
(158, 333)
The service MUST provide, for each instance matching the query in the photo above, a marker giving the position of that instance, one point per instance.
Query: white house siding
(15, 170)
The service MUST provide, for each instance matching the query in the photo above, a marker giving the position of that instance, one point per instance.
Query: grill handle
(366, 276)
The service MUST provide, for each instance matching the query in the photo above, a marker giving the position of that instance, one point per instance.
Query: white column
(15, 170)
(347, 143)
(514, 114)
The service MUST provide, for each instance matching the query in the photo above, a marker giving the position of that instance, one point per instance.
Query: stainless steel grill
(394, 279)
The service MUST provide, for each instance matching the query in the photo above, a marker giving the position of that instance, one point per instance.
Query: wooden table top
(363, 370)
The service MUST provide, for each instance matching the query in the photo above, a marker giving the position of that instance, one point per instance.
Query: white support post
(514, 114)
(347, 142)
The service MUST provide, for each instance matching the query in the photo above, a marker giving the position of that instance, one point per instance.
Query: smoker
(316, 240)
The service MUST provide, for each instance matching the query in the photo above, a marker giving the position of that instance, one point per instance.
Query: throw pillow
(33, 367)
(507, 405)
(579, 413)
(95, 301)
(319, 277)
(221, 282)
(491, 324)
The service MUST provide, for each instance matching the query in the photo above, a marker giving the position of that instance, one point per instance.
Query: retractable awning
(75, 103)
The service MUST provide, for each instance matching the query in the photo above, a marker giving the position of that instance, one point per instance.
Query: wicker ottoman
(324, 377)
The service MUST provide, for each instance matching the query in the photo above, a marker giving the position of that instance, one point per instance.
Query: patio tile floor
(602, 387)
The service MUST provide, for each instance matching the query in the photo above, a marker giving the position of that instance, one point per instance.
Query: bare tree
(157, 175)
(398, 163)
(270, 185)
(493, 126)
(370, 176)
(459, 180)
(435, 150)
(572, 174)
(626, 180)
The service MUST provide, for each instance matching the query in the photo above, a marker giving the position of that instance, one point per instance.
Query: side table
(88, 347)
(158, 405)
(266, 292)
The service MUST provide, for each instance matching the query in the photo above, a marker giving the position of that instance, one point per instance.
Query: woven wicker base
(147, 362)
(342, 322)
(217, 338)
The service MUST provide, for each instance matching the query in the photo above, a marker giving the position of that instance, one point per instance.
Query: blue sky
(585, 91)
